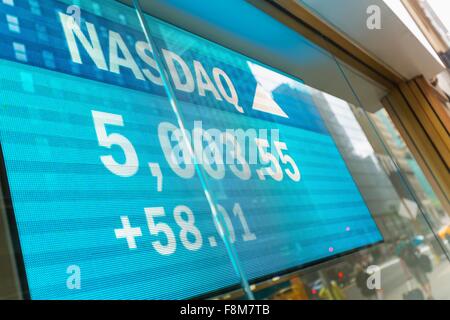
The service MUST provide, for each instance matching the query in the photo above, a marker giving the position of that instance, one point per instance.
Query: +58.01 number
(189, 234)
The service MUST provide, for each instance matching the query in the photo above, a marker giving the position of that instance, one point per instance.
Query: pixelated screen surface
(103, 187)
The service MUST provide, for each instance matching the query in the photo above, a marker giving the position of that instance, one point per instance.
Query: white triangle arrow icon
(264, 102)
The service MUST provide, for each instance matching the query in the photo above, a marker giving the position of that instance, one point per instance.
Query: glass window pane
(286, 193)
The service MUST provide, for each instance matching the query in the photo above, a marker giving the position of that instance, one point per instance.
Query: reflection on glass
(410, 263)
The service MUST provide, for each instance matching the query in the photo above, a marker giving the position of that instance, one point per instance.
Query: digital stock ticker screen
(105, 177)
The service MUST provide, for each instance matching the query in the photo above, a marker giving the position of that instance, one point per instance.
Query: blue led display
(88, 137)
